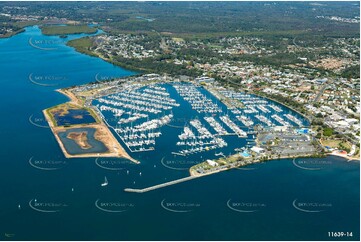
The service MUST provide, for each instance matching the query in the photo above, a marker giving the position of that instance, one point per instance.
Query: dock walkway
(160, 185)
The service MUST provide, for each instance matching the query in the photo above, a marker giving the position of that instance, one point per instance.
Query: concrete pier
(160, 185)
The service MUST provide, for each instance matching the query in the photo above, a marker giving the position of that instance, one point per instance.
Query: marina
(139, 114)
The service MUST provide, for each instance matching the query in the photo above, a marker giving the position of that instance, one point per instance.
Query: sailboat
(105, 183)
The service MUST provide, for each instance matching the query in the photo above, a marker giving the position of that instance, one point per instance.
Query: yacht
(105, 183)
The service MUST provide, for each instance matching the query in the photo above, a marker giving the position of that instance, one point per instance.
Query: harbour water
(73, 148)
(74, 116)
(62, 199)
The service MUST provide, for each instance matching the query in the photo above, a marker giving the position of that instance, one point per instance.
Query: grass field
(333, 143)
(82, 45)
(68, 29)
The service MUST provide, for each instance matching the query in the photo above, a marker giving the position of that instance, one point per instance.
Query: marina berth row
(263, 109)
(293, 119)
(239, 132)
(280, 120)
(275, 108)
(216, 126)
(196, 99)
(245, 120)
(199, 140)
(265, 120)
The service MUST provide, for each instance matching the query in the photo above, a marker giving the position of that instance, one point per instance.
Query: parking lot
(287, 143)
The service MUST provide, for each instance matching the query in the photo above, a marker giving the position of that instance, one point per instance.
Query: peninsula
(80, 132)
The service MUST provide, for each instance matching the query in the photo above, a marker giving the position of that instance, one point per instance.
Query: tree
(327, 132)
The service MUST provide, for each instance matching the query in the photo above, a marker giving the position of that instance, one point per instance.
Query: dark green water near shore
(45, 196)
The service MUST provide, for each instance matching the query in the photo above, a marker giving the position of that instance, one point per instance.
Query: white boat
(105, 183)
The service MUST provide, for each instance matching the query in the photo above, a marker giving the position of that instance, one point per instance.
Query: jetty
(160, 185)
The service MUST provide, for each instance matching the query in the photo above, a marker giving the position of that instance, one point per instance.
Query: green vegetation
(327, 132)
(68, 29)
(344, 147)
(146, 65)
(15, 27)
(279, 59)
(200, 19)
(351, 72)
(82, 45)
(151, 65)
(23, 24)
(9, 34)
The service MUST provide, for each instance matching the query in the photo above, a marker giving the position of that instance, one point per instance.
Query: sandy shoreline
(348, 158)
(70, 95)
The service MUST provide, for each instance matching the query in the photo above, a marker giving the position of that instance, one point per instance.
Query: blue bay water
(269, 190)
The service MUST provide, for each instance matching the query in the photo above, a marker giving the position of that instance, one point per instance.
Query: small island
(80, 138)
